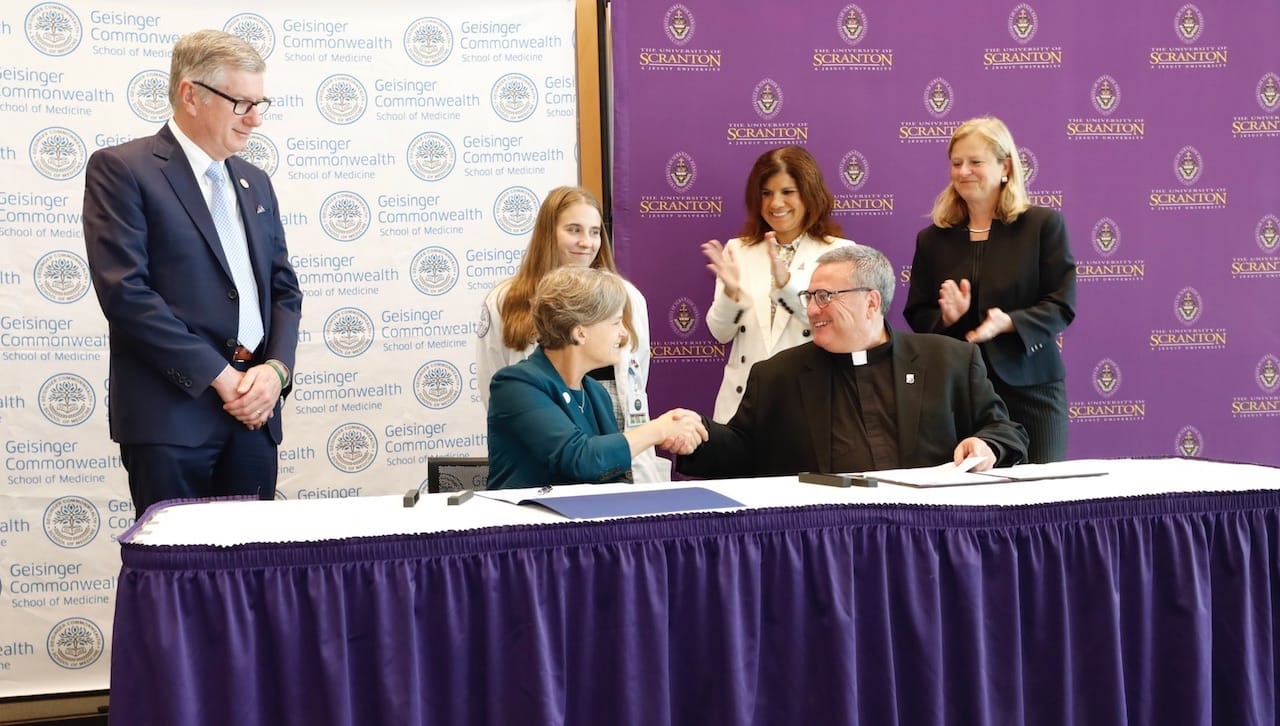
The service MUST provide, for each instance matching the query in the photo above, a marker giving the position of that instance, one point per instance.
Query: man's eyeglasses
(239, 106)
(823, 297)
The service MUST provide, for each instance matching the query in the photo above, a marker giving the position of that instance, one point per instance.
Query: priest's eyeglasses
(823, 297)
(239, 106)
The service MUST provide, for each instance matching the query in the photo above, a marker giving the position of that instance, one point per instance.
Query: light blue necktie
(234, 246)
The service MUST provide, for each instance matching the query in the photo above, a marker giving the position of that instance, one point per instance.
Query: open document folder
(589, 501)
(952, 474)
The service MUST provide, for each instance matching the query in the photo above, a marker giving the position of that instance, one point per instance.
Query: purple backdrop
(1154, 127)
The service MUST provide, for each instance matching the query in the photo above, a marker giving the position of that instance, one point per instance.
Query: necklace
(581, 406)
(978, 231)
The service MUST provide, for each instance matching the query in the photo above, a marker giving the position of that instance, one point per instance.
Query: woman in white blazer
(761, 273)
(569, 231)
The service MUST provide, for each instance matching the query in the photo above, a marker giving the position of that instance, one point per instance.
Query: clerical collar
(874, 355)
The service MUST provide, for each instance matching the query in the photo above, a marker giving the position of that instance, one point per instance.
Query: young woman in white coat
(761, 273)
(569, 231)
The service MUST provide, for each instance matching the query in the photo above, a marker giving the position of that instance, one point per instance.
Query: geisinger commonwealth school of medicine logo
(53, 29)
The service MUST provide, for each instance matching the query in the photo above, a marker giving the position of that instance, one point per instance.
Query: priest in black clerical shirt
(861, 396)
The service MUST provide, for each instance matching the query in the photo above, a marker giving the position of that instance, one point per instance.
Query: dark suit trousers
(233, 462)
(1042, 411)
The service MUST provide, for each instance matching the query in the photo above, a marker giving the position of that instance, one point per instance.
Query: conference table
(1148, 594)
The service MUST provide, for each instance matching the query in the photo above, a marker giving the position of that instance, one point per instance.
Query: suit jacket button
(744, 359)
(232, 294)
(739, 389)
(805, 333)
(232, 343)
(742, 329)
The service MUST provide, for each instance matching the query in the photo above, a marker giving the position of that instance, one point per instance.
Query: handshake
(679, 431)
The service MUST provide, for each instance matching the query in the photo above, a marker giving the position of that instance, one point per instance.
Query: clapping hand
(953, 300)
(997, 322)
(723, 264)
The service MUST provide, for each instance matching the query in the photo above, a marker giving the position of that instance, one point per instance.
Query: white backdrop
(410, 148)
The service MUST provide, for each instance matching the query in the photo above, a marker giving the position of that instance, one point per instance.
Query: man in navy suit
(188, 259)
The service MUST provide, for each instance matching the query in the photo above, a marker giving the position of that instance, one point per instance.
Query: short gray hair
(205, 55)
(870, 269)
(571, 296)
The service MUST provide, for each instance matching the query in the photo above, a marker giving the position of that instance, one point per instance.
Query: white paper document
(951, 474)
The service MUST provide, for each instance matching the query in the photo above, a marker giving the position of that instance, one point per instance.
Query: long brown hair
(818, 200)
(542, 256)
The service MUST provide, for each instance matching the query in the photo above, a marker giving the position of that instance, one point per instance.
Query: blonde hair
(571, 296)
(950, 210)
(205, 55)
(541, 257)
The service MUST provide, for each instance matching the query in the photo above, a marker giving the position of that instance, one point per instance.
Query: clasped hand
(250, 397)
(682, 431)
(953, 302)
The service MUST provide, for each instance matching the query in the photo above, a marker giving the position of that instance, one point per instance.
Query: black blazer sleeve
(1027, 271)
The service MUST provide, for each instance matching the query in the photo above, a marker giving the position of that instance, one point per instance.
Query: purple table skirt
(1150, 610)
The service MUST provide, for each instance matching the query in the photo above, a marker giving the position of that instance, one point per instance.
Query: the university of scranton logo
(262, 153)
(1269, 92)
(1023, 23)
(1105, 95)
(352, 447)
(1106, 378)
(61, 277)
(1189, 441)
(767, 98)
(683, 315)
(938, 97)
(348, 332)
(1188, 306)
(1188, 165)
(1106, 236)
(1268, 373)
(1189, 24)
(678, 24)
(854, 170)
(1268, 233)
(1029, 163)
(852, 24)
(254, 30)
(681, 172)
(148, 95)
(53, 29)
(71, 522)
(428, 41)
(437, 384)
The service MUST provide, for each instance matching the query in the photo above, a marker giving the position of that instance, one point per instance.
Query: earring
(1004, 179)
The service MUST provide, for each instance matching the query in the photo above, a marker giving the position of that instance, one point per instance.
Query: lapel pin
(244, 183)
(261, 209)
(911, 378)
